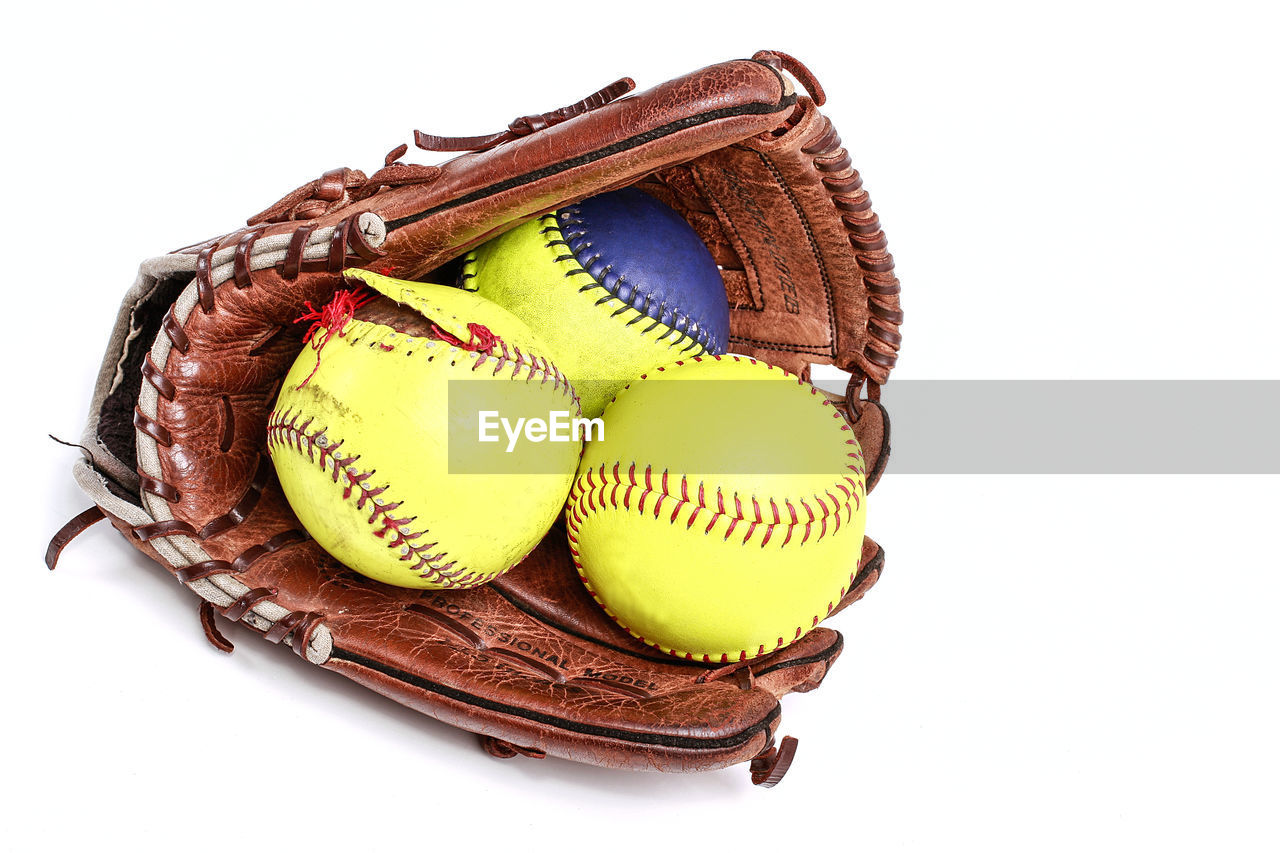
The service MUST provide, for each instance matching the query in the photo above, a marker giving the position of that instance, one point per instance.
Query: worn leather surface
(804, 260)
(529, 659)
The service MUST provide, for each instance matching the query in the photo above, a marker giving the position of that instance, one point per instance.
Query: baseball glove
(175, 444)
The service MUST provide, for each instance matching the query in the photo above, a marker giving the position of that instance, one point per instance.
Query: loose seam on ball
(386, 339)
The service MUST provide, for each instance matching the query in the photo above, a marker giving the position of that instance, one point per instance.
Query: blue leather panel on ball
(642, 252)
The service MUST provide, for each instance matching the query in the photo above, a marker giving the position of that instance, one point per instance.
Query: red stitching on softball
(598, 493)
(284, 429)
(585, 489)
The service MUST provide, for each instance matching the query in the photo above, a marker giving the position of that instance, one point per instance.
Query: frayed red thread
(333, 318)
(482, 340)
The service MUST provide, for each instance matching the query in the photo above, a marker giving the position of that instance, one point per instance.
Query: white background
(1086, 190)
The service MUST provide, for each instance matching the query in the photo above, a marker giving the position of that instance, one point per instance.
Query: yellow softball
(617, 284)
(722, 515)
(378, 449)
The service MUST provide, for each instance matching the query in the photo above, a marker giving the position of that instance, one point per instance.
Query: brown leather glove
(177, 426)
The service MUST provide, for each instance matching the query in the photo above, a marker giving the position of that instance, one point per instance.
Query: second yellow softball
(722, 515)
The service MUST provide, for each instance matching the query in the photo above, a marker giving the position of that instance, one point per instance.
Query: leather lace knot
(313, 199)
(525, 125)
(338, 188)
(797, 69)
